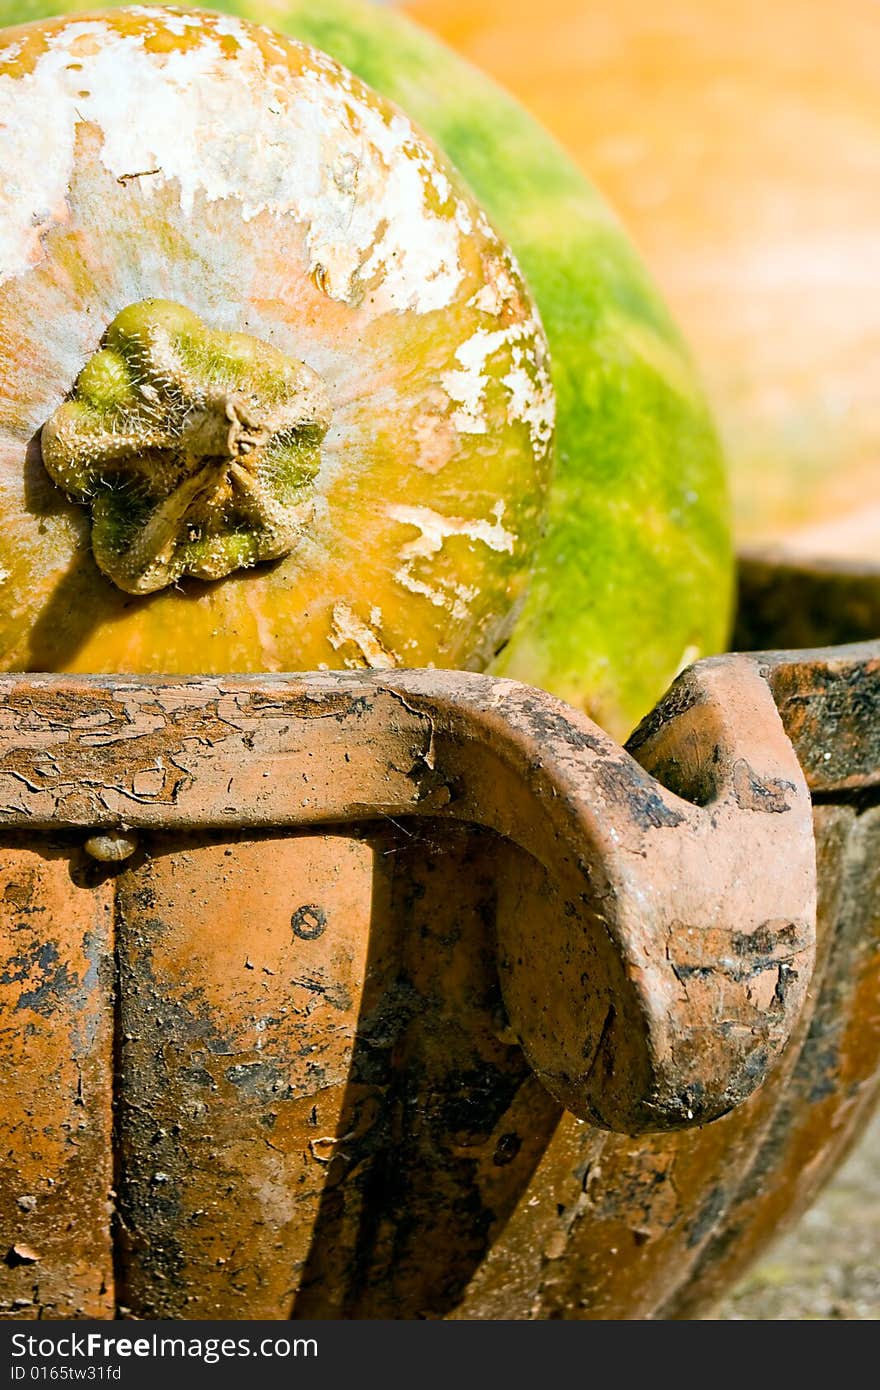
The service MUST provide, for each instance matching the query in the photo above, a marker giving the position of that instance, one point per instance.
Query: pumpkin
(274, 393)
(741, 145)
(633, 576)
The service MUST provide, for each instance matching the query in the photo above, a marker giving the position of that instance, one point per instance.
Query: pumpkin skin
(255, 184)
(741, 144)
(634, 577)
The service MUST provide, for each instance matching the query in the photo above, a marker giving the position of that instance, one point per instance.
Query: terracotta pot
(413, 994)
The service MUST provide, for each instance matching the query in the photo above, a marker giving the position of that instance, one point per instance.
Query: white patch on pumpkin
(350, 630)
(492, 297)
(527, 381)
(434, 529)
(532, 398)
(245, 129)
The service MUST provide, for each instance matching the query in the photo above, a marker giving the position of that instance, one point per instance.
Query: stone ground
(828, 1266)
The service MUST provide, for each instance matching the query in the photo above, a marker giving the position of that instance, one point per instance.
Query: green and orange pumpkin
(431, 536)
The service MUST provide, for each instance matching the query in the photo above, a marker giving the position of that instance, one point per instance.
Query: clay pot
(413, 994)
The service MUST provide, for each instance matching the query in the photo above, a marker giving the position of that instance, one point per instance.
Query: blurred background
(828, 1266)
(740, 144)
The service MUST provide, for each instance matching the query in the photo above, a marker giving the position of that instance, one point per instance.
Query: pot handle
(669, 960)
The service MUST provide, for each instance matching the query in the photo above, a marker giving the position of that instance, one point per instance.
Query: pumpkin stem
(194, 448)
